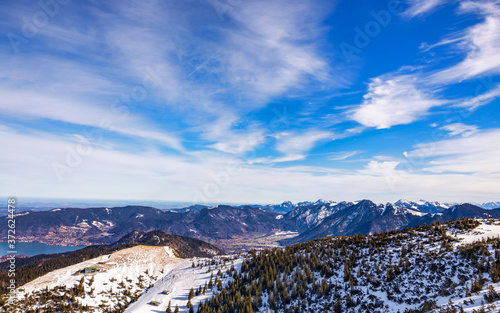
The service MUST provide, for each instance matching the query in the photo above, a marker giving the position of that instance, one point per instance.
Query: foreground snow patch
(487, 229)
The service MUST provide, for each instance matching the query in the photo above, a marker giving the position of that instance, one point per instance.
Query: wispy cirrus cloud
(399, 98)
(421, 7)
(461, 154)
(275, 48)
(456, 129)
(238, 142)
(339, 156)
(33, 105)
(52, 83)
(480, 100)
(480, 43)
(260, 50)
(295, 145)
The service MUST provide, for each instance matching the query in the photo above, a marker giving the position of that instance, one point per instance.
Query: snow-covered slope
(136, 275)
(484, 231)
(132, 269)
(425, 269)
(178, 283)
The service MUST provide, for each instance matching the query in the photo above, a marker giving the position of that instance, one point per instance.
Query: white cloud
(480, 42)
(37, 85)
(29, 105)
(262, 49)
(259, 50)
(294, 145)
(29, 173)
(272, 51)
(231, 139)
(481, 99)
(289, 158)
(339, 156)
(380, 168)
(475, 153)
(52, 74)
(237, 143)
(394, 99)
(456, 129)
(421, 7)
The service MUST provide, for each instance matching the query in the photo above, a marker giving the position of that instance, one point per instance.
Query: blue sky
(250, 101)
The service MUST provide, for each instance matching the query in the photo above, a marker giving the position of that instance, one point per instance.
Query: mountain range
(447, 267)
(420, 205)
(305, 220)
(76, 226)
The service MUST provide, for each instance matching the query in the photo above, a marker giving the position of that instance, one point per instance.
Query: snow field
(487, 229)
(134, 269)
(179, 282)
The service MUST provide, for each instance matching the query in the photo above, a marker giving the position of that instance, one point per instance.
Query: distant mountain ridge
(107, 225)
(421, 205)
(489, 205)
(309, 220)
(457, 212)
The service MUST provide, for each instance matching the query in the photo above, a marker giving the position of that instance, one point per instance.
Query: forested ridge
(407, 270)
(430, 268)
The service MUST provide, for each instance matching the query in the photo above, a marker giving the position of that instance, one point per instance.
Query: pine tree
(210, 283)
(324, 286)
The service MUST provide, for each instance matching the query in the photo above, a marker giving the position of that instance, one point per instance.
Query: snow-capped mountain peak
(422, 206)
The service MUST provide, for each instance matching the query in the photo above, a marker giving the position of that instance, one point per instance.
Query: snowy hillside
(483, 231)
(449, 267)
(424, 269)
(117, 279)
(114, 281)
(180, 280)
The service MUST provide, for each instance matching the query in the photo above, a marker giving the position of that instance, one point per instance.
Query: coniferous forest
(422, 269)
